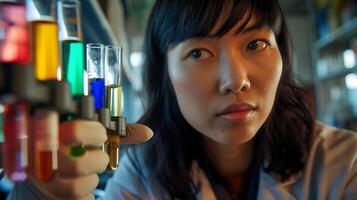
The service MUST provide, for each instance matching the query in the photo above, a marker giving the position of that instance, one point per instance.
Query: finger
(76, 188)
(137, 133)
(88, 197)
(82, 132)
(93, 161)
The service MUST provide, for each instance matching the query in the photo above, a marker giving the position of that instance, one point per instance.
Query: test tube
(69, 21)
(16, 127)
(44, 29)
(14, 50)
(113, 86)
(113, 102)
(1, 124)
(14, 33)
(70, 35)
(45, 135)
(1, 138)
(95, 71)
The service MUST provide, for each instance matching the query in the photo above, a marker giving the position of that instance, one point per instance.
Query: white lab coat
(330, 173)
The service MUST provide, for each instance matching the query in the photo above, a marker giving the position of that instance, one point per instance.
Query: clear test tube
(95, 73)
(72, 50)
(16, 128)
(113, 102)
(14, 40)
(45, 134)
(1, 124)
(113, 59)
(1, 138)
(44, 37)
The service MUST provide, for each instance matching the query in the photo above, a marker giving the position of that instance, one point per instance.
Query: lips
(237, 112)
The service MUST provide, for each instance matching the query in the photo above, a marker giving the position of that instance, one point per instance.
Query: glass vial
(70, 33)
(95, 72)
(1, 139)
(44, 33)
(113, 102)
(113, 59)
(15, 152)
(14, 33)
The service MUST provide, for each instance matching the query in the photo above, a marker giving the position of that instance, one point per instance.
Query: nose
(233, 74)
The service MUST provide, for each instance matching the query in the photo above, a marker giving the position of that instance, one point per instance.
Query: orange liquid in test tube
(45, 165)
(45, 133)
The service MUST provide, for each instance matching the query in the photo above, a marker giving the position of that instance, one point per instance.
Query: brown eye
(196, 54)
(199, 54)
(257, 45)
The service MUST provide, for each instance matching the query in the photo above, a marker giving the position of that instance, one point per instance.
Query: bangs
(193, 19)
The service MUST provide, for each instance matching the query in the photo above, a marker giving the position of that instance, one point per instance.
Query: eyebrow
(244, 30)
(254, 27)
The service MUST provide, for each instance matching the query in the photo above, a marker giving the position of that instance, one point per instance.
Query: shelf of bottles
(44, 79)
(336, 73)
(335, 53)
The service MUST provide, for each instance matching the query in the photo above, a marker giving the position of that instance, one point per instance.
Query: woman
(228, 119)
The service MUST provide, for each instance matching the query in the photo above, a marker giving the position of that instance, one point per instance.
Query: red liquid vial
(15, 147)
(45, 138)
(14, 33)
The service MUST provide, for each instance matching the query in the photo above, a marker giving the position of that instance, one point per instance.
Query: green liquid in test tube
(73, 65)
(72, 45)
(69, 21)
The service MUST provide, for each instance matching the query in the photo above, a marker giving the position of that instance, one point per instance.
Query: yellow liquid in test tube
(112, 148)
(112, 144)
(114, 100)
(45, 49)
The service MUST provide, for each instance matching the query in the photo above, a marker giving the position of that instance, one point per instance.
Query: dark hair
(283, 140)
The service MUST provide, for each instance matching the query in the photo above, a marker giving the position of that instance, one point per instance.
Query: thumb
(137, 133)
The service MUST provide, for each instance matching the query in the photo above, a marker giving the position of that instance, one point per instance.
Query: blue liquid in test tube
(95, 70)
(98, 92)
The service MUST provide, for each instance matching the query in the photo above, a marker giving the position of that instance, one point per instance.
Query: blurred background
(324, 34)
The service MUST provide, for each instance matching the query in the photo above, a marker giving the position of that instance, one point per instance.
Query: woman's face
(225, 87)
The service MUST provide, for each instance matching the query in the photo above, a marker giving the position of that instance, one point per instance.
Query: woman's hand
(77, 177)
